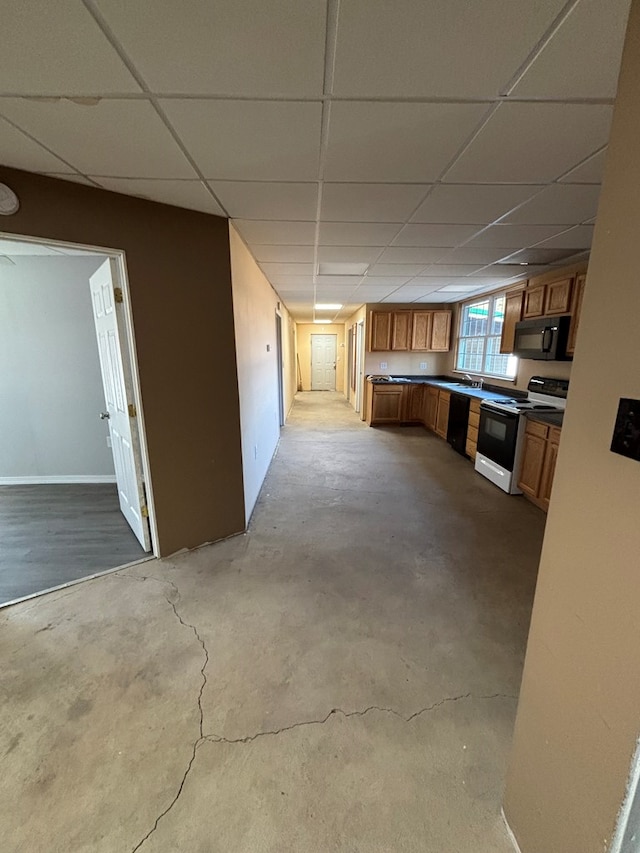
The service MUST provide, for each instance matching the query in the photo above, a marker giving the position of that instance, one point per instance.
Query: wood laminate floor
(51, 535)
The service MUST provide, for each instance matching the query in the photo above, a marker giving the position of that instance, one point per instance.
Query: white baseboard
(512, 837)
(57, 479)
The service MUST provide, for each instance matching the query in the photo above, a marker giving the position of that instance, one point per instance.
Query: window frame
(481, 297)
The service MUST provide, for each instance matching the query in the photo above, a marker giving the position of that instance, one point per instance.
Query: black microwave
(543, 339)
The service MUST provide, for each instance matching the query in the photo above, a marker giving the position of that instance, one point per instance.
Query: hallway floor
(341, 678)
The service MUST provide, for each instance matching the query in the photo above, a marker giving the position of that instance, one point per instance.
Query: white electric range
(502, 427)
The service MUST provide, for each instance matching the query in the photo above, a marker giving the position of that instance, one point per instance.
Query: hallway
(343, 677)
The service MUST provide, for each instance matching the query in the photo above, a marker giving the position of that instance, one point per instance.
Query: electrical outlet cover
(626, 433)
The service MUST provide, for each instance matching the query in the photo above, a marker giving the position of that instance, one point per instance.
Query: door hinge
(117, 294)
(144, 511)
(132, 410)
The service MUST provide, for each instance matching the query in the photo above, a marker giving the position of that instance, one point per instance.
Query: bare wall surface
(50, 383)
(579, 713)
(180, 283)
(255, 304)
(303, 335)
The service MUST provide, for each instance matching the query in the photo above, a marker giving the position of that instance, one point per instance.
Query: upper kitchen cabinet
(576, 308)
(533, 305)
(512, 315)
(558, 296)
(410, 331)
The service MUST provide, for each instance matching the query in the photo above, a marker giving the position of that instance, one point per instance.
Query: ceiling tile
(589, 172)
(396, 142)
(283, 254)
(342, 280)
(387, 280)
(448, 269)
(270, 269)
(357, 233)
(459, 288)
(190, 194)
(498, 272)
(561, 71)
(293, 282)
(406, 255)
(226, 47)
(475, 255)
(559, 204)
(396, 269)
(514, 235)
(20, 152)
(435, 235)
(373, 294)
(537, 256)
(532, 143)
(424, 285)
(370, 202)
(267, 200)
(575, 238)
(414, 48)
(249, 140)
(58, 49)
(441, 296)
(472, 203)
(348, 254)
(276, 233)
(74, 178)
(114, 138)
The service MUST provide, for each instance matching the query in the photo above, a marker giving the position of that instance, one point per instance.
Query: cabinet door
(387, 404)
(440, 331)
(442, 419)
(548, 471)
(558, 296)
(578, 293)
(421, 331)
(400, 330)
(512, 315)
(380, 339)
(532, 463)
(415, 396)
(533, 301)
(432, 408)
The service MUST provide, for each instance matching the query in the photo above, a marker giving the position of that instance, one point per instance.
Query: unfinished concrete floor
(341, 678)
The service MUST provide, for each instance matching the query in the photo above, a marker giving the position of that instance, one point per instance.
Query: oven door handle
(506, 415)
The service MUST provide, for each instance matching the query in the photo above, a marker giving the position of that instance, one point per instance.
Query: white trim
(512, 837)
(57, 479)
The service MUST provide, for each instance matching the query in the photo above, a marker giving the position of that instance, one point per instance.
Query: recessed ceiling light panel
(328, 306)
(338, 268)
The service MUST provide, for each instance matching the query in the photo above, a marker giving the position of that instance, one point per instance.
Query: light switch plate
(626, 433)
(383, 365)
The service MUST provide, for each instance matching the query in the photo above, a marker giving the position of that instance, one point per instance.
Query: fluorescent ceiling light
(328, 306)
(322, 322)
(336, 268)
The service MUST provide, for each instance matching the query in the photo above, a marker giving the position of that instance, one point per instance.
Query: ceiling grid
(454, 143)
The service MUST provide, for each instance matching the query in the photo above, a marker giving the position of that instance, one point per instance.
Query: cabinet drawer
(474, 407)
(472, 434)
(537, 428)
(474, 419)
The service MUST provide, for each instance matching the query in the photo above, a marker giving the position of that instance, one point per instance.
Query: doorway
(324, 349)
(75, 491)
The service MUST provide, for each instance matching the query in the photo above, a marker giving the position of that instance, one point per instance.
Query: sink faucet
(476, 382)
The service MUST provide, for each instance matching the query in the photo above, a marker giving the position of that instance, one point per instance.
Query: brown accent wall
(579, 712)
(180, 284)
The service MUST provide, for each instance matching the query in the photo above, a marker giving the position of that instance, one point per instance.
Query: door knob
(104, 416)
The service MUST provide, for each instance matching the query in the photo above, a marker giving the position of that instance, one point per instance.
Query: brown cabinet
(512, 315)
(414, 410)
(471, 447)
(410, 331)
(386, 404)
(401, 331)
(534, 298)
(421, 330)
(431, 407)
(576, 308)
(442, 417)
(380, 335)
(557, 298)
(539, 462)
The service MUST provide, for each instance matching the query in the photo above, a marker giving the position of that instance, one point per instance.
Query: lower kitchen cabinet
(386, 404)
(471, 447)
(431, 407)
(442, 417)
(414, 410)
(539, 456)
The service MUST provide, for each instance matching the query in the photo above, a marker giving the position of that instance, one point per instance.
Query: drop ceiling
(441, 145)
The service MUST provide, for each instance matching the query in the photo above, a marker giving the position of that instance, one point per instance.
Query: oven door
(498, 436)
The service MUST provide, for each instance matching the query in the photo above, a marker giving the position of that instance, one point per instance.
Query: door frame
(130, 354)
(359, 365)
(335, 363)
(280, 360)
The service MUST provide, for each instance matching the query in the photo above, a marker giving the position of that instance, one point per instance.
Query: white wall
(254, 308)
(50, 384)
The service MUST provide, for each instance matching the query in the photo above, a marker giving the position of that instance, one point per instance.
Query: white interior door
(118, 395)
(323, 362)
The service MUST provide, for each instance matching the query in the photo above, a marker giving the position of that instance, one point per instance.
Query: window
(479, 339)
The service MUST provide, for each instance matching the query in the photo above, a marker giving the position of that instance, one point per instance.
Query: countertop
(553, 418)
(449, 385)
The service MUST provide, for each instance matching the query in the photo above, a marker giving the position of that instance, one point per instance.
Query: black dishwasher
(458, 422)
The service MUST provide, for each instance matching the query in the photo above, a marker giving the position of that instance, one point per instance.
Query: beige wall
(579, 712)
(303, 336)
(354, 319)
(180, 287)
(255, 304)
